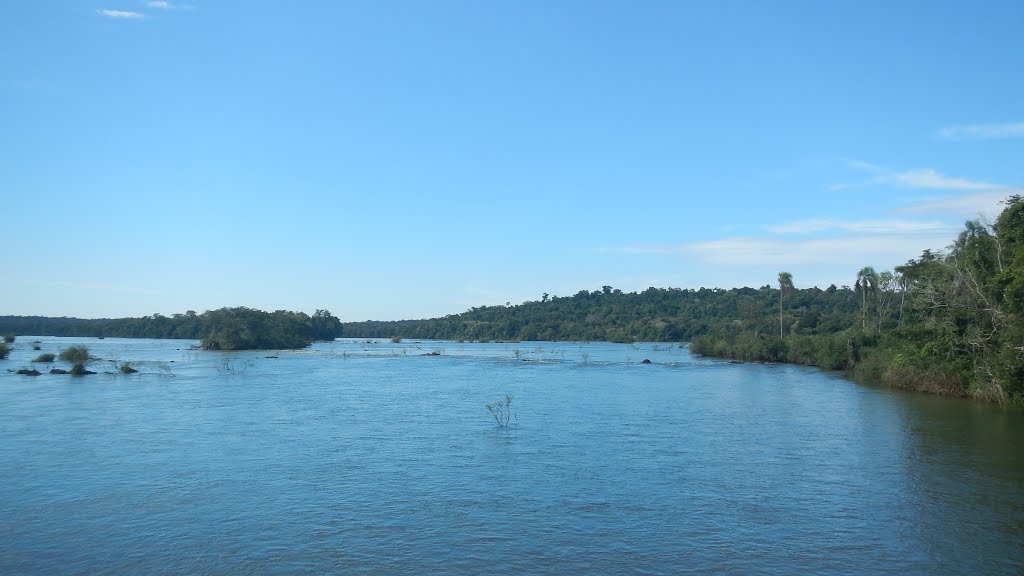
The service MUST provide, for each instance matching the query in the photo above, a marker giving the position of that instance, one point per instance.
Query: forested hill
(654, 315)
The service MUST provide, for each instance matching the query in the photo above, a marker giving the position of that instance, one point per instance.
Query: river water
(371, 458)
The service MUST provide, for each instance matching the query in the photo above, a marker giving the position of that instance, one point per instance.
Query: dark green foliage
(654, 315)
(947, 323)
(78, 357)
(248, 329)
(126, 368)
(5, 349)
(45, 358)
(9, 338)
(324, 326)
(75, 355)
(224, 329)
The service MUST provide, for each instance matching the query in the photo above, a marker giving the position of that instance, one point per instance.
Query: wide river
(371, 458)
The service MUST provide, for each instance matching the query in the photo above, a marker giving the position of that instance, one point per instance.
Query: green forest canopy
(222, 329)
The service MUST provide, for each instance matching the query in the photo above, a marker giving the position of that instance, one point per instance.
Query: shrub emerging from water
(4, 350)
(45, 358)
(9, 338)
(78, 356)
(501, 411)
(127, 368)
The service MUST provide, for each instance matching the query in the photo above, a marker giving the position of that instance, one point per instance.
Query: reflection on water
(369, 457)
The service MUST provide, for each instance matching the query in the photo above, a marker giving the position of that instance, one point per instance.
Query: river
(373, 458)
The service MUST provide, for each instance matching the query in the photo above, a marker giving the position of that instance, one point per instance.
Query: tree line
(238, 328)
(949, 322)
(609, 314)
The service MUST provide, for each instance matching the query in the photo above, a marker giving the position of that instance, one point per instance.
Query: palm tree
(903, 282)
(785, 285)
(867, 279)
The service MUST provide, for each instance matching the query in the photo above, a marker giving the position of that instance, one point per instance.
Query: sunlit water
(357, 458)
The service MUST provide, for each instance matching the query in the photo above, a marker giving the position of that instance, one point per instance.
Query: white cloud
(882, 226)
(928, 178)
(984, 131)
(864, 166)
(884, 249)
(827, 249)
(986, 204)
(923, 178)
(123, 14)
(814, 261)
(158, 4)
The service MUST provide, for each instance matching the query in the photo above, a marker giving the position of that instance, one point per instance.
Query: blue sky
(393, 160)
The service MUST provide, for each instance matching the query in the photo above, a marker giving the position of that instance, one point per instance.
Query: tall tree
(903, 283)
(867, 279)
(785, 285)
(885, 294)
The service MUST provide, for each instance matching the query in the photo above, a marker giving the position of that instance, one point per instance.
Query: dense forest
(947, 322)
(223, 329)
(654, 315)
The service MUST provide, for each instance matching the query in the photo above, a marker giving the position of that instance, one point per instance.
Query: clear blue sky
(393, 160)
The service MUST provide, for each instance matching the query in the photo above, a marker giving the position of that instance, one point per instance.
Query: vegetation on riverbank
(223, 329)
(947, 322)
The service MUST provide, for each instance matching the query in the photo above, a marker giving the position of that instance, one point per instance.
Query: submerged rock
(59, 371)
(28, 372)
(646, 361)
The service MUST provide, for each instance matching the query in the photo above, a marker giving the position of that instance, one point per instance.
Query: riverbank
(864, 358)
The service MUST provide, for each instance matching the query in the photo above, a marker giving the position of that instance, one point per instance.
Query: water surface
(370, 458)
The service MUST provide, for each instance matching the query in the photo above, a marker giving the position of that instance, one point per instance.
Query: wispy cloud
(928, 178)
(159, 4)
(864, 166)
(769, 252)
(813, 260)
(122, 14)
(885, 226)
(983, 131)
(822, 250)
(985, 204)
(860, 166)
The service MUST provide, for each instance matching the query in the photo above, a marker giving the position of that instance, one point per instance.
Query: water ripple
(358, 458)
